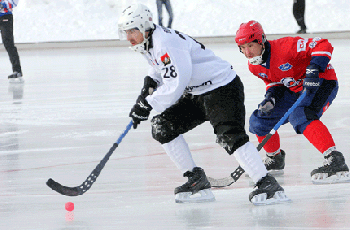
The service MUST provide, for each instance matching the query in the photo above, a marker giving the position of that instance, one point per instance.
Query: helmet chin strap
(141, 47)
(257, 60)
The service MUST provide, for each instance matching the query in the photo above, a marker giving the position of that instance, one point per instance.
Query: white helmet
(136, 16)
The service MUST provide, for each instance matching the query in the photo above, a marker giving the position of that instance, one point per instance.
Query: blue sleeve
(321, 61)
(276, 91)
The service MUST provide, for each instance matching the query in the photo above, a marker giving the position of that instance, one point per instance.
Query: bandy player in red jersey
(287, 66)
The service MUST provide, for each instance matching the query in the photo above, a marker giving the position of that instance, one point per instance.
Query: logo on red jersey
(285, 67)
(325, 107)
(290, 82)
(301, 45)
(165, 59)
(312, 45)
(263, 75)
(329, 66)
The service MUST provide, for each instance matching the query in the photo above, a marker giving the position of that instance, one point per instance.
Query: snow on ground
(64, 20)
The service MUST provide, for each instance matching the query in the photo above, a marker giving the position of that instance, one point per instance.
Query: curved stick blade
(220, 183)
(67, 191)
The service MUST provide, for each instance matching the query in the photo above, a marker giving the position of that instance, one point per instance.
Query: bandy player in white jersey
(188, 85)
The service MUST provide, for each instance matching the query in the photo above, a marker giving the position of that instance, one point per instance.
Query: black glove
(266, 106)
(140, 111)
(149, 86)
(312, 81)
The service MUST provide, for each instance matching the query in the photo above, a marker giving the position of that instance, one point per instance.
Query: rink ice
(75, 103)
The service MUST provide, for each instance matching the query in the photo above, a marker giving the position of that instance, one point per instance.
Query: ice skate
(275, 164)
(334, 170)
(16, 78)
(268, 192)
(197, 189)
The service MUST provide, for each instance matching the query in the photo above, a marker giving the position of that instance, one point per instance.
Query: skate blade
(339, 177)
(278, 172)
(16, 80)
(205, 195)
(279, 197)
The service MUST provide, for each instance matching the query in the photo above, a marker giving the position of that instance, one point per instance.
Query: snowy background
(67, 20)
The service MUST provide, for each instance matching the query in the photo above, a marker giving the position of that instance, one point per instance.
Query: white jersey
(181, 65)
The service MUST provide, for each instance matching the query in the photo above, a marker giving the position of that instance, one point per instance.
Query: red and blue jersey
(7, 6)
(288, 58)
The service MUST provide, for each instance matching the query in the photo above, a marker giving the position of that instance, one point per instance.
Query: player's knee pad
(259, 126)
(231, 142)
(254, 122)
(299, 119)
(163, 130)
(310, 114)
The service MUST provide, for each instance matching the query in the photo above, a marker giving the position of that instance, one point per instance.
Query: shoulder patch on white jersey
(165, 59)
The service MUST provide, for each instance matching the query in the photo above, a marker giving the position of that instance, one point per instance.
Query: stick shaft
(86, 185)
(281, 121)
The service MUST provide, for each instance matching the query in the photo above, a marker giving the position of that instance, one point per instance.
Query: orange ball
(69, 206)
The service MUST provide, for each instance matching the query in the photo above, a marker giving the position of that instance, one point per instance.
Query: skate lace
(188, 174)
(259, 183)
(191, 177)
(268, 160)
(327, 161)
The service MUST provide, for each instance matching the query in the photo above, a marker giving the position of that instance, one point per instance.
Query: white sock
(328, 151)
(180, 154)
(249, 159)
(274, 153)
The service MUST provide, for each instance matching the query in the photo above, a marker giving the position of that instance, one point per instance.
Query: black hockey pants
(6, 27)
(223, 108)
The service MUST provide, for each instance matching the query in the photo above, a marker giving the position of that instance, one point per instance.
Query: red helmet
(249, 32)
